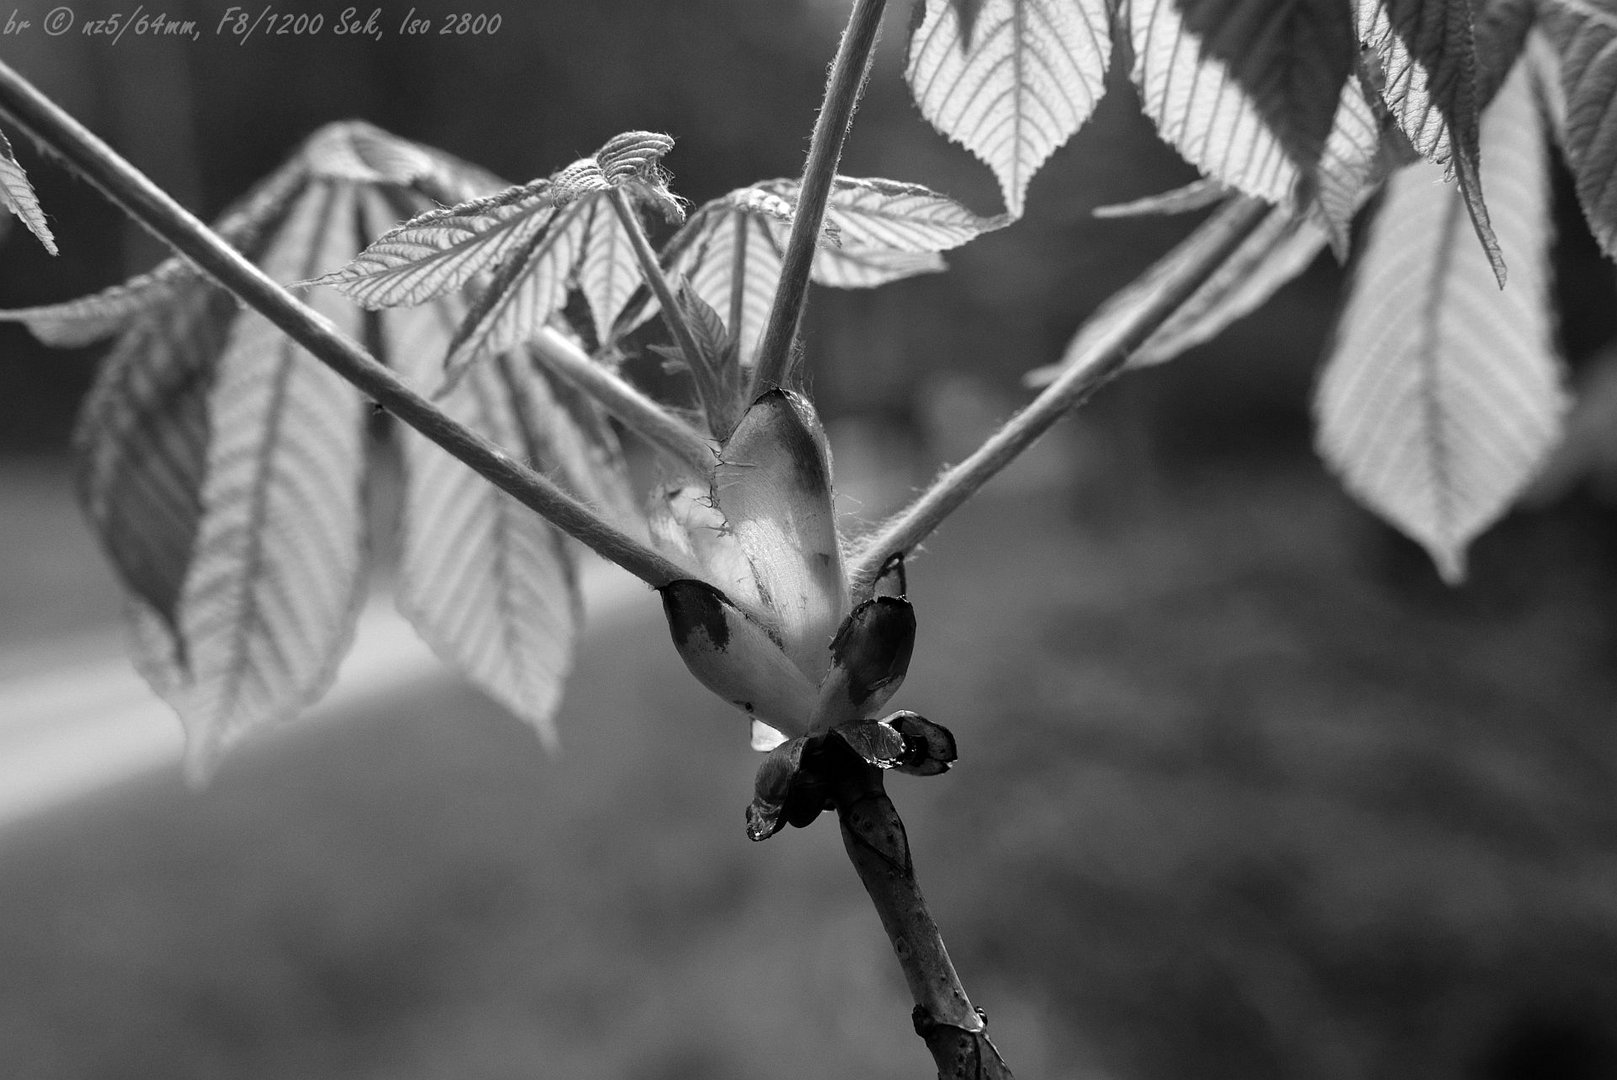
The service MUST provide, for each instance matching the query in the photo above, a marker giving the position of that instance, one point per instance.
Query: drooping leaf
(1442, 394)
(536, 240)
(142, 444)
(1351, 166)
(18, 196)
(1584, 34)
(273, 591)
(485, 581)
(1029, 77)
(1246, 90)
(878, 231)
(1424, 54)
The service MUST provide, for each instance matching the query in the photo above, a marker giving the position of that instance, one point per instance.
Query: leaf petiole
(842, 90)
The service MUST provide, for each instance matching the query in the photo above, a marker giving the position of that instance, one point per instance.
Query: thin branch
(1179, 274)
(873, 834)
(842, 92)
(148, 204)
(637, 412)
(717, 412)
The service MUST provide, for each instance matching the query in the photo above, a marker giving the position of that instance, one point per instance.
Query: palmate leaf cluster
(227, 471)
(1443, 390)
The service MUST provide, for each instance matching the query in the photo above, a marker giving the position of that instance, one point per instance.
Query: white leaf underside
(1031, 76)
(1443, 394)
(269, 605)
(18, 195)
(1584, 33)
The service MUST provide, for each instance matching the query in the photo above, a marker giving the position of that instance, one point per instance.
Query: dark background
(1245, 792)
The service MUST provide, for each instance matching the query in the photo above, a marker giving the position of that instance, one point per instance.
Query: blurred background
(1244, 791)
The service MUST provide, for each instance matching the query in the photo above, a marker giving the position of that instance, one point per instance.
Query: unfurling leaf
(1246, 90)
(1442, 394)
(18, 196)
(730, 250)
(1584, 35)
(1425, 60)
(1029, 77)
(534, 240)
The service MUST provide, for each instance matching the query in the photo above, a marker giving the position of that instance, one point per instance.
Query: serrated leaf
(270, 601)
(1442, 394)
(1025, 82)
(1425, 55)
(1246, 90)
(485, 581)
(536, 240)
(730, 250)
(18, 196)
(1584, 34)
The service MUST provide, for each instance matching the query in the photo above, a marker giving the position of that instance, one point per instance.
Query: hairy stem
(1178, 275)
(873, 834)
(152, 207)
(842, 91)
(637, 412)
(720, 414)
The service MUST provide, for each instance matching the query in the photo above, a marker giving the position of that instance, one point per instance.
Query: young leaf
(1247, 90)
(487, 583)
(877, 231)
(1442, 395)
(1029, 76)
(1424, 53)
(270, 600)
(18, 196)
(534, 239)
(1584, 34)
